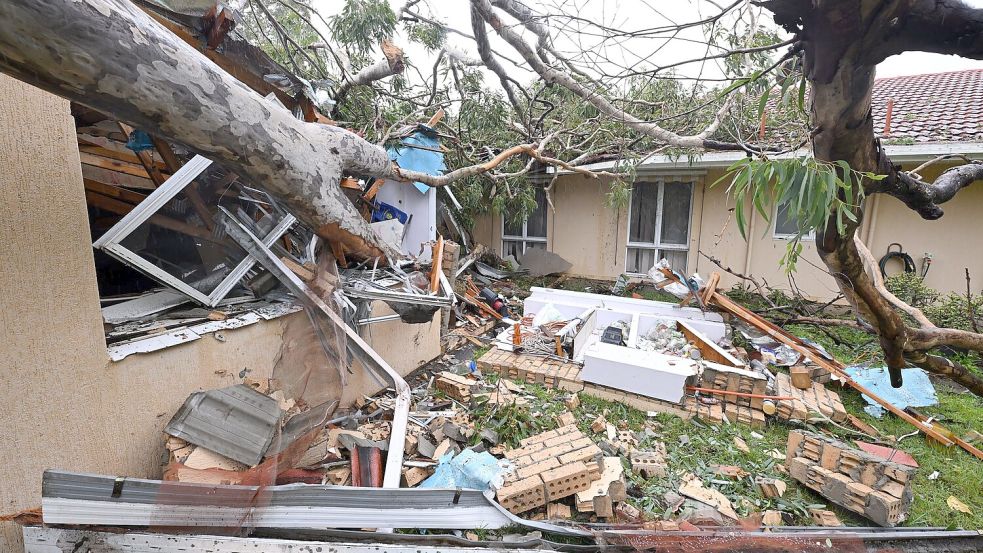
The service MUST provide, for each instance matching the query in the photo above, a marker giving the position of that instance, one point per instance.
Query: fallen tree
(110, 56)
(843, 41)
(840, 43)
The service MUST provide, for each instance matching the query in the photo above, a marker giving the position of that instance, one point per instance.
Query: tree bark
(112, 57)
(843, 40)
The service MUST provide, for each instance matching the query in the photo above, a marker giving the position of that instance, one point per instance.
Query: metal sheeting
(88, 499)
(58, 540)
(237, 422)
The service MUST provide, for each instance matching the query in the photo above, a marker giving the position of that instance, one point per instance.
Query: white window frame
(110, 242)
(811, 235)
(657, 244)
(524, 238)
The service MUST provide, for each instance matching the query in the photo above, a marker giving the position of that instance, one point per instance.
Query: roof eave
(899, 153)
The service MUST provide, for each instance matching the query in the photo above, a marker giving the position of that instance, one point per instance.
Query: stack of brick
(858, 481)
(819, 374)
(650, 464)
(455, 386)
(715, 412)
(550, 466)
(738, 408)
(533, 369)
(807, 404)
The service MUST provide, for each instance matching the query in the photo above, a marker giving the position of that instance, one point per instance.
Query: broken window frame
(523, 240)
(657, 244)
(111, 241)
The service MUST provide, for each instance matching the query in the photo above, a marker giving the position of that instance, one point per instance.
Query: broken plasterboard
(389, 231)
(647, 373)
(571, 304)
(143, 306)
(540, 262)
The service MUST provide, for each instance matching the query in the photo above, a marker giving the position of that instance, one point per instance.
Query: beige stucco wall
(63, 403)
(954, 240)
(593, 238)
(761, 254)
(584, 231)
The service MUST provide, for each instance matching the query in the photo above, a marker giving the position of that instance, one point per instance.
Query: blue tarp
(917, 390)
(476, 471)
(427, 158)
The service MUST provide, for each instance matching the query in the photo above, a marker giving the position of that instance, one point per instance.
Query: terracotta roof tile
(935, 107)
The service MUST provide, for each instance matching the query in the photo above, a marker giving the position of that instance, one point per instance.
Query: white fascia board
(897, 152)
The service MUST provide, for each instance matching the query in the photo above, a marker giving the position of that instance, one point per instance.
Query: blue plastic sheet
(139, 141)
(426, 157)
(476, 471)
(917, 391)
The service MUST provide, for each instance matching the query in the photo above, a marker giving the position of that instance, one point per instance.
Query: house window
(786, 226)
(531, 233)
(658, 224)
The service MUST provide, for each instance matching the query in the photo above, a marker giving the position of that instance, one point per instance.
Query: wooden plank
(127, 156)
(709, 350)
(112, 191)
(113, 165)
(813, 355)
(436, 262)
(108, 176)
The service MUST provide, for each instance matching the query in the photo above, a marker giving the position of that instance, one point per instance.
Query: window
(658, 224)
(531, 233)
(786, 227)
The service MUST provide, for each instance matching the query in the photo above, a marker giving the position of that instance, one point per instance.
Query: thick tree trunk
(838, 40)
(109, 55)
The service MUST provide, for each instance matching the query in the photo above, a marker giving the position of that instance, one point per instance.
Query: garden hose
(909, 263)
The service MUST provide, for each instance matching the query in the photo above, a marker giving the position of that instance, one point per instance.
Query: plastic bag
(548, 314)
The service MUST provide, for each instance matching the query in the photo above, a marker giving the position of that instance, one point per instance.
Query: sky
(631, 15)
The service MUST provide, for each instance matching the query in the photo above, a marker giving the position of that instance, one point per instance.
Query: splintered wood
(869, 486)
(815, 403)
(550, 466)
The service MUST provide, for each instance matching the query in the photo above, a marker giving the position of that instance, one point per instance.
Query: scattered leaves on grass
(957, 505)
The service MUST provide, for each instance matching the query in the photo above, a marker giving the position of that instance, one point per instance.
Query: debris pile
(853, 479)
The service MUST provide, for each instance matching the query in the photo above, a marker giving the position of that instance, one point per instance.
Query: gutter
(900, 153)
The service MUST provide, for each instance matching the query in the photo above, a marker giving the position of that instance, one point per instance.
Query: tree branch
(391, 64)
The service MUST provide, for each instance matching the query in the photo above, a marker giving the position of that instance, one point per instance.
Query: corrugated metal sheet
(237, 422)
(88, 499)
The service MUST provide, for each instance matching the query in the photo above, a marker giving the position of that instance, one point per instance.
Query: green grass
(961, 474)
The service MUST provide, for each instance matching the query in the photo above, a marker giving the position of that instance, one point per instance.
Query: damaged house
(101, 346)
(209, 346)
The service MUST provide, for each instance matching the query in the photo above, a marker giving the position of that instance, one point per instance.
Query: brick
(523, 495)
(536, 468)
(649, 464)
(566, 480)
(583, 454)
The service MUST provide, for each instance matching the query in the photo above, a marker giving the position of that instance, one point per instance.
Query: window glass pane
(785, 224)
(641, 218)
(511, 247)
(536, 223)
(676, 259)
(640, 260)
(511, 229)
(676, 200)
(178, 241)
(535, 246)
